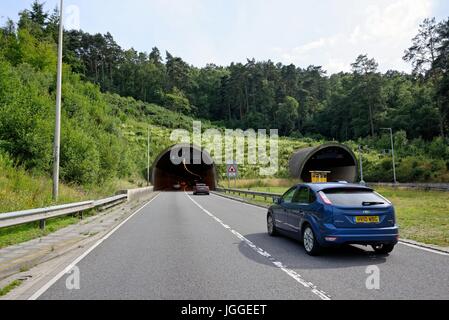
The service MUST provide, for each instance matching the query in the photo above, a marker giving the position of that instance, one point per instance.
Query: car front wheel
(383, 248)
(311, 245)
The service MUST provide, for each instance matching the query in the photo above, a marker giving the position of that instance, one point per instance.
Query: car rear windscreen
(353, 197)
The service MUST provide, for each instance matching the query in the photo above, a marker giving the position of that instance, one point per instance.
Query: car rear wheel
(383, 248)
(271, 226)
(311, 245)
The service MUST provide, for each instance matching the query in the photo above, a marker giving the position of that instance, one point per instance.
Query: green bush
(80, 158)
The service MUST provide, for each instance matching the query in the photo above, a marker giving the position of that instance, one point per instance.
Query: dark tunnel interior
(338, 161)
(168, 176)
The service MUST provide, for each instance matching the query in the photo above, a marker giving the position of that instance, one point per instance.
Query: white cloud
(398, 20)
(383, 31)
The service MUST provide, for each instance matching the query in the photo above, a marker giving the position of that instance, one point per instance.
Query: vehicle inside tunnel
(338, 160)
(181, 167)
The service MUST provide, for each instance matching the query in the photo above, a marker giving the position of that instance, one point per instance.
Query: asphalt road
(182, 246)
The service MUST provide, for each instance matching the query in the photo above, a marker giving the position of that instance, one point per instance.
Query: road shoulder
(35, 262)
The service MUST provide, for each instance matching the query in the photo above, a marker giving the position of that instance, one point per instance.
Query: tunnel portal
(190, 165)
(338, 159)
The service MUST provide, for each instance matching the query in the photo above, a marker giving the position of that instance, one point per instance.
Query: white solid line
(293, 274)
(401, 242)
(47, 286)
(424, 248)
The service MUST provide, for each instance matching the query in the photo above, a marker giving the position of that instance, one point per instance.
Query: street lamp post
(57, 141)
(148, 157)
(392, 153)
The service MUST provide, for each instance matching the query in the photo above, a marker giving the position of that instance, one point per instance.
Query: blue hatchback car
(332, 214)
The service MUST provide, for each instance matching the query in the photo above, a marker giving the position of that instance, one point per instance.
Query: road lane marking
(49, 284)
(401, 242)
(293, 274)
(423, 248)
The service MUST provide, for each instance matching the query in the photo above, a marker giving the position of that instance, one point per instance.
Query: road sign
(232, 170)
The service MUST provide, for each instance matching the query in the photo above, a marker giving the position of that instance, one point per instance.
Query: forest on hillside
(111, 94)
(300, 101)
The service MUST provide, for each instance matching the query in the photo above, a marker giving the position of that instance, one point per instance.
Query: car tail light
(324, 198)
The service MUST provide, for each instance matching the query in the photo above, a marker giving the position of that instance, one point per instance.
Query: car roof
(334, 185)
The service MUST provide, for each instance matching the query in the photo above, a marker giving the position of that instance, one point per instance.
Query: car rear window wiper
(367, 204)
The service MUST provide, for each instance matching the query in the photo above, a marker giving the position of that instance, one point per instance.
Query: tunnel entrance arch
(336, 158)
(168, 175)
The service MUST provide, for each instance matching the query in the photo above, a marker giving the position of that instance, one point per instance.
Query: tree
(205, 94)
(364, 66)
(177, 102)
(155, 56)
(422, 54)
(52, 24)
(286, 115)
(442, 65)
(367, 87)
(177, 73)
(34, 20)
(38, 14)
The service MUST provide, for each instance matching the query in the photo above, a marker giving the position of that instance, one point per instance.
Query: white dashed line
(293, 274)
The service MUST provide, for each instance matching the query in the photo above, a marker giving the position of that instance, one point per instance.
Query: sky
(328, 33)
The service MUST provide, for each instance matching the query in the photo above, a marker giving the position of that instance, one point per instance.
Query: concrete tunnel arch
(200, 168)
(337, 158)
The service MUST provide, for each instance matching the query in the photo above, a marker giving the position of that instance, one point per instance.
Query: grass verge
(4, 291)
(23, 233)
(21, 190)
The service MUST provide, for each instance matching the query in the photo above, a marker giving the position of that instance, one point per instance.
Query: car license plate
(367, 219)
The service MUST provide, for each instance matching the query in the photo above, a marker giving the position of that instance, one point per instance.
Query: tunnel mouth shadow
(292, 254)
(180, 167)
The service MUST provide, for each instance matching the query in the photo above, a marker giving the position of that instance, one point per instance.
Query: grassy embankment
(422, 215)
(19, 190)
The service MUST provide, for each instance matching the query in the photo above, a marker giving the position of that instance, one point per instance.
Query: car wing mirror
(278, 200)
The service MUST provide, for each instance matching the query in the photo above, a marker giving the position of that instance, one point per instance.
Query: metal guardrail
(420, 186)
(266, 195)
(22, 217)
(254, 194)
